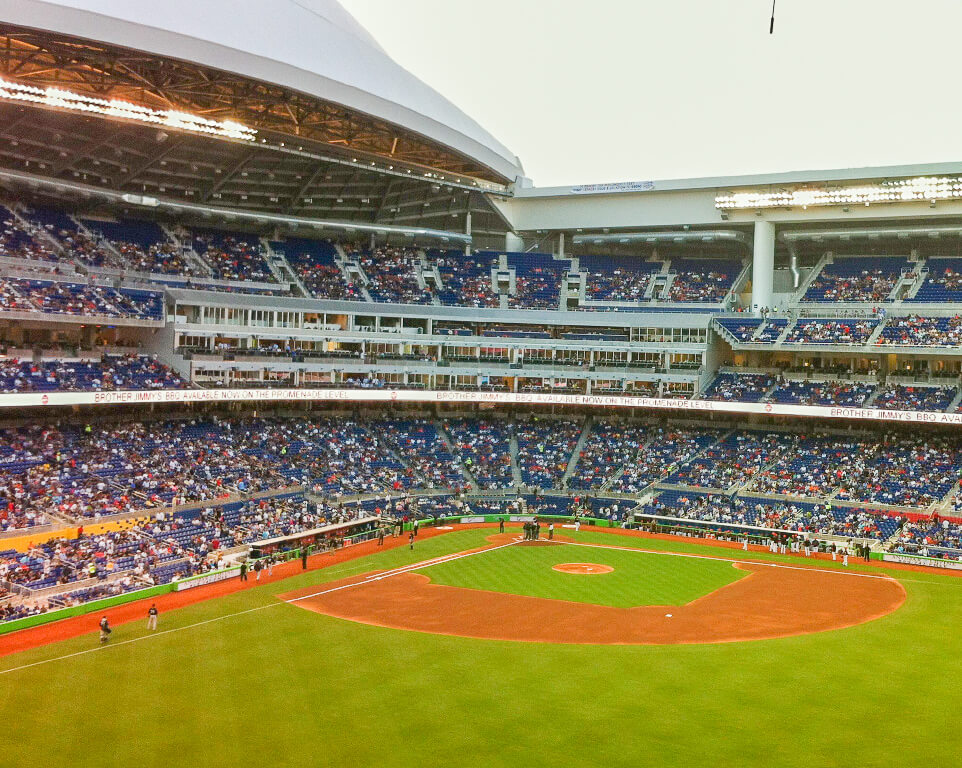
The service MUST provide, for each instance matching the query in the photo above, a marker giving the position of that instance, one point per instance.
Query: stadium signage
(621, 186)
(160, 396)
(207, 578)
(930, 562)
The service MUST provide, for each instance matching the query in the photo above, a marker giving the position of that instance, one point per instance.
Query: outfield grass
(638, 578)
(283, 686)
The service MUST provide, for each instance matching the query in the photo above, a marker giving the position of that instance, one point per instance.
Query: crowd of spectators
(908, 472)
(853, 331)
(393, 275)
(82, 472)
(151, 550)
(423, 450)
(610, 278)
(537, 281)
(899, 472)
(821, 519)
(816, 466)
(484, 449)
(50, 474)
(732, 461)
(742, 330)
(325, 281)
(233, 257)
(850, 394)
(702, 280)
(608, 448)
(917, 331)
(67, 298)
(897, 397)
(78, 246)
(112, 372)
(315, 263)
(661, 455)
(943, 283)
(544, 450)
(739, 387)
(856, 279)
(466, 280)
(20, 241)
(618, 285)
(161, 257)
(771, 330)
(143, 247)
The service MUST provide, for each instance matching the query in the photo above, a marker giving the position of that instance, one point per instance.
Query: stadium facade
(315, 139)
(276, 250)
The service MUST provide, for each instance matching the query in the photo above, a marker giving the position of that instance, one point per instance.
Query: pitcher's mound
(584, 569)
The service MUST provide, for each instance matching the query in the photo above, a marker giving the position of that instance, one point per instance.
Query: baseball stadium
(327, 437)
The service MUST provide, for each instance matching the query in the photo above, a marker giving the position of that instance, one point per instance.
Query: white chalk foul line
(730, 560)
(403, 569)
(369, 580)
(137, 639)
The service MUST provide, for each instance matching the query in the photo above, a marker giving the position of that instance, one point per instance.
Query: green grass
(638, 578)
(286, 687)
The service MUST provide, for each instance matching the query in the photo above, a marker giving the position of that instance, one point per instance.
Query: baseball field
(475, 649)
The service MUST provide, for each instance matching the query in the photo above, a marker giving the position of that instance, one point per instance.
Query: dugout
(318, 539)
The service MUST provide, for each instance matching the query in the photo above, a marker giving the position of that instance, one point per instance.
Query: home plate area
(507, 591)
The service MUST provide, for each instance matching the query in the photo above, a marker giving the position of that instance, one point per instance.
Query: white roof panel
(311, 46)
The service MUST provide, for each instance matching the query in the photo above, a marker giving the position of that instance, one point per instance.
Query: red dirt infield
(45, 634)
(582, 569)
(773, 601)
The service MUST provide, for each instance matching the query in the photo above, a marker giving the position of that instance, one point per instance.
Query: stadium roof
(304, 67)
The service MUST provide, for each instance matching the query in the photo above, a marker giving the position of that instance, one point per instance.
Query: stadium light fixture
(75, 102)
(896, 191)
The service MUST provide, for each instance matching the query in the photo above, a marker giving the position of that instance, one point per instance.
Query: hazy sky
(631, 90)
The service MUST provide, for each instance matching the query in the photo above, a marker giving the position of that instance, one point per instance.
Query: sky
(636, 90)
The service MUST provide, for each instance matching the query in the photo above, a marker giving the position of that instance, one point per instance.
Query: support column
(561, 245)
(467, 231)
(763, 265)
(513, 243)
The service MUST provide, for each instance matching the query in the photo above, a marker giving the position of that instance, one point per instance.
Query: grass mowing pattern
(638, 578)
(289, 687)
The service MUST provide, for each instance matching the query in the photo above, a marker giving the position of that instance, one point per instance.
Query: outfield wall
(84, 608)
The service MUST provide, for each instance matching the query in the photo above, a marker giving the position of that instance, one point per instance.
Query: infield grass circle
(636, 578)
(582, 569)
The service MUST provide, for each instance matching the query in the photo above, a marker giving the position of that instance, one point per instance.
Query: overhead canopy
(313, 48)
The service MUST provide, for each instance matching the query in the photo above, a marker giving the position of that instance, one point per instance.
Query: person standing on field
(105, 630)
(550, 530)
(152, 618)
(411, 540)
(304, 558)
(243, 571)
